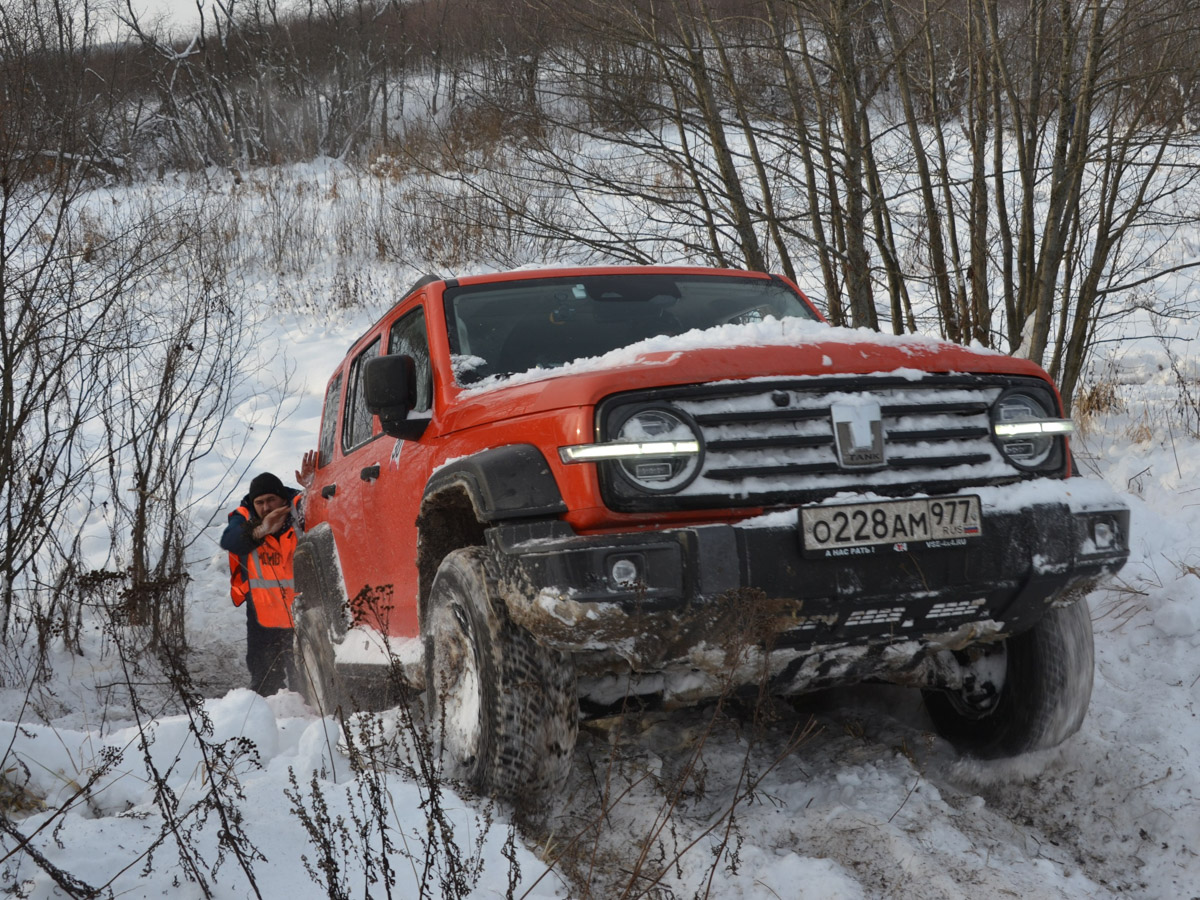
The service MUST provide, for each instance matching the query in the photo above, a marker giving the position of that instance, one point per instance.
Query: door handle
(328, 491)
(370, 473)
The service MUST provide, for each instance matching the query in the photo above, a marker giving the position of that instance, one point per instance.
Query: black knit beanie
(266, 483)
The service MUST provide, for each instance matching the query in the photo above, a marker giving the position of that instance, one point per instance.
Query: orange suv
(548, 493)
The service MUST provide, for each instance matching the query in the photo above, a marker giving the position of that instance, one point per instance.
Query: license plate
(857, 528)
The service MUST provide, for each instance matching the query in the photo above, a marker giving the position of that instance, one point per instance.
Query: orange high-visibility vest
(266, 577)
(239, 588)
(269, 578)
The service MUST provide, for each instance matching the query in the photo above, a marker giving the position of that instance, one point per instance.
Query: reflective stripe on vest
(268, 583)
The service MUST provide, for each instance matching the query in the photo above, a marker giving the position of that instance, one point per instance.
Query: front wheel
(1029, 692)
(502, 707)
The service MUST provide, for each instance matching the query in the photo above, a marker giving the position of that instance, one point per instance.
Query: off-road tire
(503, 708)
(314, 637)
(1043, 695)
(318, 579)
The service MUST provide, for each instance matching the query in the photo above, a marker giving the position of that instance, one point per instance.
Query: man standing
(261, 540)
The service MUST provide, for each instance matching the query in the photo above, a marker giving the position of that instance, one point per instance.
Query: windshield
(513, 326)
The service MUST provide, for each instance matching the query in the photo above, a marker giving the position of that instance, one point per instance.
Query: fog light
(624, 573)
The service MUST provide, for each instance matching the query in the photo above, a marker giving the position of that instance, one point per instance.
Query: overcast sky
(179, 13)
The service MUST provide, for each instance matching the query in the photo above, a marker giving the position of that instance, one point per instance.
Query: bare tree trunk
(836, 211)
(980, 129)
(840, 36)
(801, 127)
(765, 189)
(885, 241)
(1072, 126)
(955, 313)
(714, 126)
(932, 212)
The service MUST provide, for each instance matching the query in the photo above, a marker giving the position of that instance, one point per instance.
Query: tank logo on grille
(858, 433)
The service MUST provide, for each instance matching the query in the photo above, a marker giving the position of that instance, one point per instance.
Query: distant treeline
(1023, 175)
(1017, 162)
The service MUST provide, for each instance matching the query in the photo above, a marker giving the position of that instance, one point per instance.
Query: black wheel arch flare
(508, 482)
(464, 497)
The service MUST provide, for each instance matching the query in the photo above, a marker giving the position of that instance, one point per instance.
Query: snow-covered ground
(839, 795)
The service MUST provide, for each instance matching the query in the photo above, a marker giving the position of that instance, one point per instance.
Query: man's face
(264, 503)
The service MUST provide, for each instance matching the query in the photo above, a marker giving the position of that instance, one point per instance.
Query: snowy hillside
(843, 794)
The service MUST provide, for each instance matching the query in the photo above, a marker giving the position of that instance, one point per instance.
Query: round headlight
(659, 473)
(1015, 407)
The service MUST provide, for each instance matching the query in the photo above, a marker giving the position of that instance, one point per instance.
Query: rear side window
(409, 337)
(357, 427)
(333, 398)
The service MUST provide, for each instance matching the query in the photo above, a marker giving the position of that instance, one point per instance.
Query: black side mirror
(389, 386)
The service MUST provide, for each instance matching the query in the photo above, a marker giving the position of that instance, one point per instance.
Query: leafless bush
(74, 276)
(65, 285)
(1098, 399)
(154, 678)
(288, 215)
(443, 222)
(433, 861)
(174, 378)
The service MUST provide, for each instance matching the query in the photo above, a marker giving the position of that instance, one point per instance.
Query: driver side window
(356, 429)
(410, 338)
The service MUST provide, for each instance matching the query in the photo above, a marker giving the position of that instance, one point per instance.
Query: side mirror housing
(389, 387)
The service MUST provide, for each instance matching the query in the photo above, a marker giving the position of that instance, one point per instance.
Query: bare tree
(121, 336)
(61, 277)
(1137, 170)
(173, 381)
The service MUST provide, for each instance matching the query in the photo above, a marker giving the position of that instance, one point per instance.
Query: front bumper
(718, 597)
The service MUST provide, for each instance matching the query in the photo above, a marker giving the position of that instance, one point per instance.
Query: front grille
(771, 442)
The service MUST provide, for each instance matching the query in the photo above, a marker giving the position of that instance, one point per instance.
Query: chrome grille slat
(773, 415)
(903, 462)
(935, 434)
(798, 440)
(928, 428)
(935, 408)
(769, 471)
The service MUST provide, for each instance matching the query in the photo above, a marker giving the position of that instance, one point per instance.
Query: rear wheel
(502, 707)
(1030, 692)
(314, 637)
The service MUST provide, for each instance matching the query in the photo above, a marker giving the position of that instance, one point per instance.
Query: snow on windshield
(498, 330)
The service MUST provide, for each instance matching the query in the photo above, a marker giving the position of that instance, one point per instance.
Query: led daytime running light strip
(579, 453)
(629, 450)
(1028, 429)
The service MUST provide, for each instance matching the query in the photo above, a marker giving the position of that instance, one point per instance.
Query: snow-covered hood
(763, 350)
